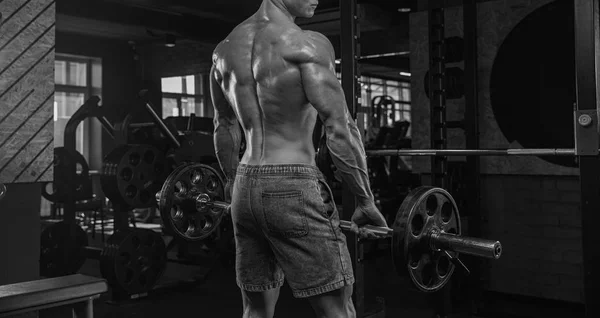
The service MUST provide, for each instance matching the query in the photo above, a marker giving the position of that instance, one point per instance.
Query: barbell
(132, 174)
(426, 234)
(132, 260)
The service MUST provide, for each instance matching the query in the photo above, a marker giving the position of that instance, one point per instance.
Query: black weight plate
(133, 260)
(425, 209)
(62, 249)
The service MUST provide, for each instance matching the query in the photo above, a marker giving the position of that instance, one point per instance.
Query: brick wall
(531, 206)
(496, 19)
(186, 58)
(538, 221)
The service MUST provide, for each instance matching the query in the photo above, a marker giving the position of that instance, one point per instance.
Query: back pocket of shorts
(329, 207)
(284, 213)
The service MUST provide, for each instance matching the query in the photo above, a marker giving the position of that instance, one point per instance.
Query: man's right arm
(316, 59)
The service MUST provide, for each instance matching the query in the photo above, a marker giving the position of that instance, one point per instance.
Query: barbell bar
(426, 233)
(438, 240)
(132, 260)
(471, 152)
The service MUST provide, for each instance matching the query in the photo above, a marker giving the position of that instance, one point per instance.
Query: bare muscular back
(261, 82)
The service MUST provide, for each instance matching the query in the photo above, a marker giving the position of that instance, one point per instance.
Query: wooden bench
(74, 291)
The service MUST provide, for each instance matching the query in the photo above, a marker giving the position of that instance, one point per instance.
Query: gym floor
(215, 294)
(219, 296)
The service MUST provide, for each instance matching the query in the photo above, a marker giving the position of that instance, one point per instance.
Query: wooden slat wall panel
(27, 41)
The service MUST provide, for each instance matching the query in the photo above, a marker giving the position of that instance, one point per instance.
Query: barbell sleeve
(466, 245)
(446, 241)
(203, 201)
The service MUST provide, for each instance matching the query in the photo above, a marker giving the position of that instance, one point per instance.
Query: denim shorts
(286, 225)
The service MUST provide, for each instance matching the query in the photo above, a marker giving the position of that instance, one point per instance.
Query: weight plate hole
(149, 156)
(134, 159)
(417, 224)
(129, 276)
(145, 196)
(150, 241)
(135, 242)
(431, 205)
(451, 231)
(443, 266)
(196, 177)
(125, 258)
(447, 212)
(131, 191)
(427, 275)
(143, 280)
(180, 188)
(414, 258)
(79, 167)
(176, 213)
(191, 229)
(142, 261)
(203, 223)
(126, 174)
(212, 184)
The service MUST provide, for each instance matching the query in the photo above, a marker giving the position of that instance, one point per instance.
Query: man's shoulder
(310, 38)
(318, 38)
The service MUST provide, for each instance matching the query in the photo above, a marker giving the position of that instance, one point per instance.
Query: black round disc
(424, 210)
(61, 249)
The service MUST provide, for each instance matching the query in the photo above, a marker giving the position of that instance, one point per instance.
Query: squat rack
(586, 116)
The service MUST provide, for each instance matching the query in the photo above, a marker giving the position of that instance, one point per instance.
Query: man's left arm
(227, 135)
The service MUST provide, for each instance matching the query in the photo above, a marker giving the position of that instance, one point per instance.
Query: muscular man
(274, 79)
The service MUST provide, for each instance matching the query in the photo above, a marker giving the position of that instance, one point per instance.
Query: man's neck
(275, 9)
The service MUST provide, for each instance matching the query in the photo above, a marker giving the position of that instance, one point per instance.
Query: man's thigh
(336, 303)
(255, 263)
(301, 223)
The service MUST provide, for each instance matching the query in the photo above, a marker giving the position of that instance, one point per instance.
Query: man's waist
(279, 170)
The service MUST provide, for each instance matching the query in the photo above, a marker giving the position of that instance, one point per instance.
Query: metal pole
(108, 127)
(349, 54)
(437, 94)
(157, 120)
(471, 152)
(473, 203)
(441, 300)
(587, 62)
(161, 125)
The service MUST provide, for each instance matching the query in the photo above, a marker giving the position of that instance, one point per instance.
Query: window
(399, 91)
(372, 87)
(76, 79)
(184, 95)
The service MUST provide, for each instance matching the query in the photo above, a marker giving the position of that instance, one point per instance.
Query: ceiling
(383, 28)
